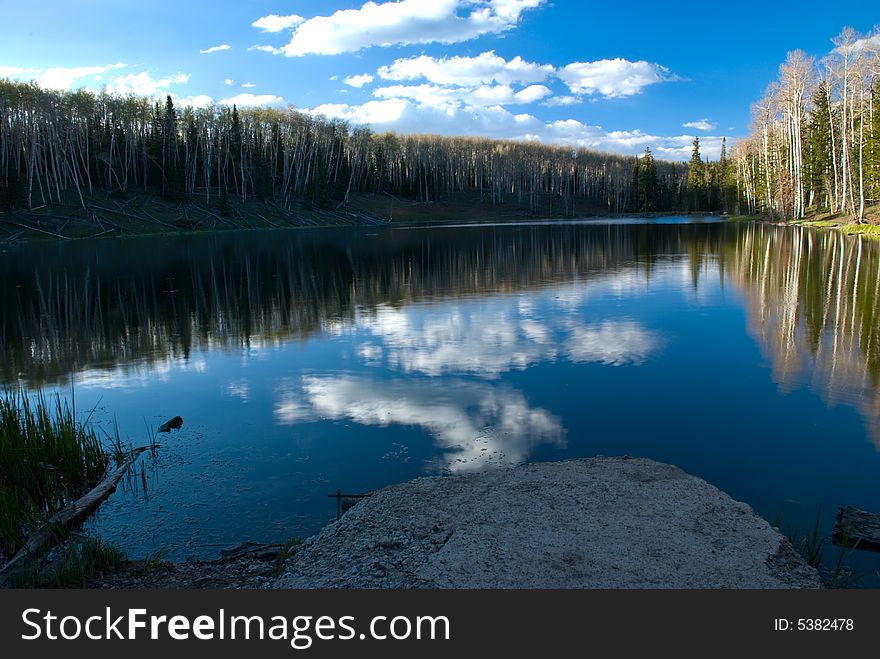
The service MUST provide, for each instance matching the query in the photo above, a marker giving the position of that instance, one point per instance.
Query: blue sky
(609, 76)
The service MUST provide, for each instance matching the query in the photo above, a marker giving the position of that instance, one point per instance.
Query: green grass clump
(75, 566)
(47, 460)
(810, 544)
(288, 549)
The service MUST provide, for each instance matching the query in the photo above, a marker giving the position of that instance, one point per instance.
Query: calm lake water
(306, 361)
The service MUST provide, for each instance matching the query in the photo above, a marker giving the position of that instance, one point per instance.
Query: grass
(810, 544)
(74, 565)
(154, 561)
(825, 220)
(287, 550)
(47, 460)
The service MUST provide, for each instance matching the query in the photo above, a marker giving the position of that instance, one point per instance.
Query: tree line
(815, 136)
(707, 187)
(55, 146)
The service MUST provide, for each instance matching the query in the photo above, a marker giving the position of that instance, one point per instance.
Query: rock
(598, 523)
(171, 424)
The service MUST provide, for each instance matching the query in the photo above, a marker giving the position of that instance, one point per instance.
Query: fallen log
(70, 515)
(856, 528)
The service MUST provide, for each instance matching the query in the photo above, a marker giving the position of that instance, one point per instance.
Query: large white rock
(597, 523)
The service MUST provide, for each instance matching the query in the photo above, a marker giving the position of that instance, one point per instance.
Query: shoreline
(589, 523)
(138, 215)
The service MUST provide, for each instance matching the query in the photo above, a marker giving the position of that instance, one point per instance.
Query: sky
(611, 76)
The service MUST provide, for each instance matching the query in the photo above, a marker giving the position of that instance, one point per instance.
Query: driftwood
(859, 529)
(249, 549)
(70, 515)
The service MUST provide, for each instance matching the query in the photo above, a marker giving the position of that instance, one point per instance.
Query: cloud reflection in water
(475, 425)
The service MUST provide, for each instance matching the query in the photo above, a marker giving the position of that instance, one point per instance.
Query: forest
(69, 146)
(814, 143)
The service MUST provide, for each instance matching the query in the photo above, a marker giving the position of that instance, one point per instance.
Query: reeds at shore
(47, 460)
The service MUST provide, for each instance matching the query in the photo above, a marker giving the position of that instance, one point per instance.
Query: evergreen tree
(173, 179)
(650, 185)
(726, 180)
(696, 180)
(817, 150)
(873, 147)
(635, 203)
(235, 147)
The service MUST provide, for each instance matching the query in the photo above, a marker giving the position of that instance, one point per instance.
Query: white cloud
(461, 77)
(454, 97)
(216, 49)
(267, 49)
(405, 22)
(612, 78)
(276, 23)
(228, 81)
(484, 69)
(199, 101)
(358, 80)
(17, 72)
(143, 84)
(248, 85)
(59, 77)
(377, 113)
(445, 114)
(701, 124)
(871, 43)
(251, 100)
(558, 101)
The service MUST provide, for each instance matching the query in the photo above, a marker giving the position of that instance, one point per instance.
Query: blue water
(303, 362)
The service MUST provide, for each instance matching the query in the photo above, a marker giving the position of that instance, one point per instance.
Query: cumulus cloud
(558, 101)
(871, 43)
(612, 78)
(448, 115)
(358, 80)
(199, 101)
(60, 77)
(216, 49)
(485, 68)
(405, 22)
(451, 98)
(700, 124)
(376, 113)
(276, 23)
(143, 84)
(228, 81)
(252, 100)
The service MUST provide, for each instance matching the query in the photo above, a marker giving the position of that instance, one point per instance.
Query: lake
(308, 361)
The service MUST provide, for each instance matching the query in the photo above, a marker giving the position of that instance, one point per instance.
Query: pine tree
(173, 179)
(650, 185)
(872, 151)
(636, 188)
(817, 151)
(696, 179)
(726, 180)
(235, 151)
